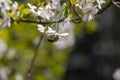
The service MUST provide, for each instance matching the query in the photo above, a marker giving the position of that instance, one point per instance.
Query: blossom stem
(30, 70)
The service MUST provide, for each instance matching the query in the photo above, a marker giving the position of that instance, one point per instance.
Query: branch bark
(30, 70)
(116, 3)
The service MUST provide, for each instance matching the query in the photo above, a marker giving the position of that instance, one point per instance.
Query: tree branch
(105, 8)
(116, 3)
(46, 22)
(40, 22)
(30, 70)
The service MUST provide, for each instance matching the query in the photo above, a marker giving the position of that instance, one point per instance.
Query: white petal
(51, 32)
(90, 17)
(41, 28)
(63, 34)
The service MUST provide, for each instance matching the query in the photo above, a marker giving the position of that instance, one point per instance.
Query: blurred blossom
(11, 53)
(116, 74)
(5, 4)
(18, 76)
(6, 22)
(4, 72)
(48, 74)
(69, 40)
(4, 7)
(3, 47)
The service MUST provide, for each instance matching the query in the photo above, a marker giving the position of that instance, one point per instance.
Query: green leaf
(66, 12)
(24, 12)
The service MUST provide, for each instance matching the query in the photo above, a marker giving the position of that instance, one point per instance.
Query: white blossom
(46, 13)
(6, 22)
(89, 12)
(18, 76)
(41, 28)
(89, 8)
(3, 47)
(11, 53)
(5, 4)
(33, 10)
(116, 74)
(4, 72)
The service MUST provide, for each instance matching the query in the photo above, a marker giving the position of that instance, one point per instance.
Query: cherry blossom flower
(89, 12)
(89, 8)
(46, 13)
(33, 10)
(5, 4)
(6, 22)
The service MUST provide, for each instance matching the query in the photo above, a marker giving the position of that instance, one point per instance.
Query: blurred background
(92, 54)
(96, 55)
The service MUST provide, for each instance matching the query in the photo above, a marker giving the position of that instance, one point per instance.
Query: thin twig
(30, 70)
(115, 3)
(46, 22)
(105, 8)
(40, 22)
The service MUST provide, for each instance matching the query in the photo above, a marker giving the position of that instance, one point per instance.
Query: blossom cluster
(5, 7)
(89, 8)
(51, 11)
(48, 13)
